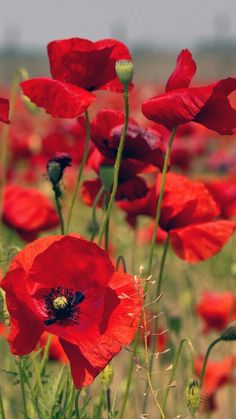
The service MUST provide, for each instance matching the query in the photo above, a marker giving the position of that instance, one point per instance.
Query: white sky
(170, 23)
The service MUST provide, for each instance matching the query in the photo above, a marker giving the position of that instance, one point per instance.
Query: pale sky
(170, 23)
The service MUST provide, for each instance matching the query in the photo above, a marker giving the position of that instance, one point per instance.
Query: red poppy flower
(142, 146)
(28, 211)
(218, 373)
(223, 191)
(207, 105)
(4, 110)
(217, 309)
(81, 299)
(189, 213)
(90, 65)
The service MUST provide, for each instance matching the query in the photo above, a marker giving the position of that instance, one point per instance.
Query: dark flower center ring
(61, 305)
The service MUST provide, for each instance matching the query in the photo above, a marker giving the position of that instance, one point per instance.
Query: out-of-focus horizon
(154, 30)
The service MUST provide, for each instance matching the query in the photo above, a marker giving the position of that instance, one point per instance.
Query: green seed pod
(107, 376)
(124, 72)
(229, 333)
(193, 396)
(106, 174)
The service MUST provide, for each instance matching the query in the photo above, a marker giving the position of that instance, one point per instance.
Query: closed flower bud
(107, 376)
(193, 396)
(125, 71)
(56, 167)
(106, 174)
(229, 333)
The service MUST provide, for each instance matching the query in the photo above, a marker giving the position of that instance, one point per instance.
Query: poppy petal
(183, 72)
(201, 241)
(4, 110)
(61, 100)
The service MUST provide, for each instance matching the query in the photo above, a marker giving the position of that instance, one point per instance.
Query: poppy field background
(117, 244)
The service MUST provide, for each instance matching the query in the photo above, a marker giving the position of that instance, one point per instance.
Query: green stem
(83, 162)
(175, 365)
(45, 355)
(158, 213)
(38, 376)
(22, 385)
(106, 202)
(3, 416)
(71, 401)
(94, 218)
(121, 260)
(203, 372)
(59, 210)
(159, 202)
(116, 167)
(155, 326)
(77, 414)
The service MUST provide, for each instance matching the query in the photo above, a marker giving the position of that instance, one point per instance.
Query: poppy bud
(193, 396)
(56, 167)
(124, 71)
(107, 376)
(229, 333)
(106, 174)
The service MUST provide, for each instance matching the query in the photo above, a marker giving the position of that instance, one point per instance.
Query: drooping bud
(106, 174)
(124, 72)
(193, 396)
(107, 376)
(56, 167)
(229, 333)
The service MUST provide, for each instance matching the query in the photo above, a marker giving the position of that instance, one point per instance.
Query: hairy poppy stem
(155, 326)
(175, 365)
(94, 218)
(158, 213)
(83, 162)
(159, 202)
(22, 385)
(203, 372)
(116, 168)
(77, 414)
(121, 260)
(59, 211)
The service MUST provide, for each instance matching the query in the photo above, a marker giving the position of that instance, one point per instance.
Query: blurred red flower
(223, 191)
(28, 211)
(216, 309)
(4, 110)
(218, 373)
(207, 105)
(80, 298)
(56, 352)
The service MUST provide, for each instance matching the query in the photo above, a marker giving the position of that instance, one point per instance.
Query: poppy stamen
(61, 305)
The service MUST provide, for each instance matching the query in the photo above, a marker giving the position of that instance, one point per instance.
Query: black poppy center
(61, 305)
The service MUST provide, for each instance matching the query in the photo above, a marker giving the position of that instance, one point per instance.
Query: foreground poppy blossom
(217, 309)
(67, 286)
(28, 211)
(4, 110)
(208, 105)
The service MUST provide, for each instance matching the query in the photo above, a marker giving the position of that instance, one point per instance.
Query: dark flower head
(57, 165)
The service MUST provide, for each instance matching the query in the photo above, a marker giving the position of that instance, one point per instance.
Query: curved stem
(155, 326)
(59, 211)
(159, 202)
(80, 170)
(116, 168)
(175, 365)
(203, 372)
(148, 371)
(94, 219)
(121, 259)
